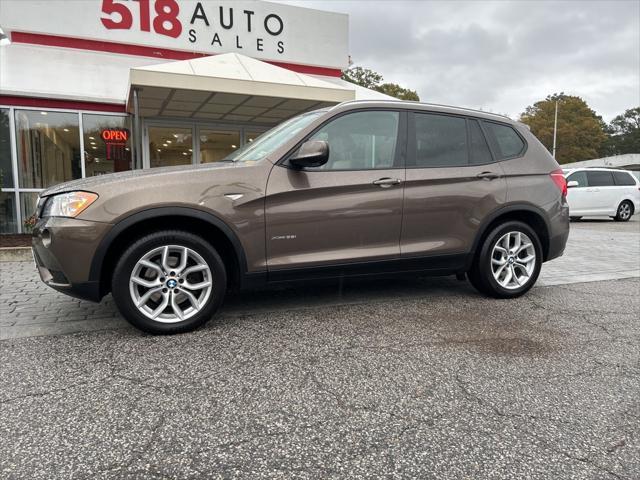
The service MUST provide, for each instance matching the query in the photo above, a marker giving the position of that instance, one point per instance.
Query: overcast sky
(500, 55)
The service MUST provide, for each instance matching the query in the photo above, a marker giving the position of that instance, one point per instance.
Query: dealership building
(99, 86)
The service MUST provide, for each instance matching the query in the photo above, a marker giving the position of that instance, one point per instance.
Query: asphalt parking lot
(409, 379)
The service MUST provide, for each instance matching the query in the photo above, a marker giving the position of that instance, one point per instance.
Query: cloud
(501, 56)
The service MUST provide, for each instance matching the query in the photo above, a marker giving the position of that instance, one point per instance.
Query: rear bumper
(63, 249)
(558, 230)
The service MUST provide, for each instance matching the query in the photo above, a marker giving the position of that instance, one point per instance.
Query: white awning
(230, 87)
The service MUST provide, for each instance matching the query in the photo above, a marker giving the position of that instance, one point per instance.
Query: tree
(624, 134)
(395, 90)
(581, 132)
(373, 80)
(362, 76)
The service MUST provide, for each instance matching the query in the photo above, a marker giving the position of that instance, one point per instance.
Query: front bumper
(63, 249)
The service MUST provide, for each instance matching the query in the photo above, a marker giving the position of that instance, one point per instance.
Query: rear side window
(480, 153)
(600, 179)
(508, 142)
(580, 177)
(441, 141)
(623, 178)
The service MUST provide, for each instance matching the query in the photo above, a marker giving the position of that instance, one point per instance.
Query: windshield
(274, 138)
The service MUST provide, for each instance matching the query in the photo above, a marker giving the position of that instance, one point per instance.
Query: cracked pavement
(446, 384)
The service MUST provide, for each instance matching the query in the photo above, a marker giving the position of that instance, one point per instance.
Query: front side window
(440, 141)
(623, 178)
(580, 177)
(600, 179)
(107, 144)
(360, 140)
(508, 142)
(48, 147)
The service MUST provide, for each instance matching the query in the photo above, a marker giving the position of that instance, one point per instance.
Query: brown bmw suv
(362, 188)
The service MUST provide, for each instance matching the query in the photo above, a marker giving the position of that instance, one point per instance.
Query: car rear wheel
(509, 261)
(169, 282)
(625, 211)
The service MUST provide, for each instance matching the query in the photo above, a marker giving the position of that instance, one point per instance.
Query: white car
(602, 192)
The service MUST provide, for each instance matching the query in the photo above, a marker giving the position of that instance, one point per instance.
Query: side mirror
(572, 184)
(311, 154)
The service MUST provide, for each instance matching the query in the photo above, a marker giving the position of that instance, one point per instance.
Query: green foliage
(624, 134)
(362, 76)
(373, 80)
(395, 90)
(581, 132)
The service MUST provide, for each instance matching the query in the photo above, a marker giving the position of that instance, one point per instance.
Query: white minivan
(602, 192)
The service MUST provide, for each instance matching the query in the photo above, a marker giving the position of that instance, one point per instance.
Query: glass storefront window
(8, 222)
(6, 172)
(107, 144)
(170, 146)
(48, 147)
(217, 144)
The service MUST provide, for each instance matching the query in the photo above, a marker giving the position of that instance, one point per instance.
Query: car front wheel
(169, 282)
(509, 261)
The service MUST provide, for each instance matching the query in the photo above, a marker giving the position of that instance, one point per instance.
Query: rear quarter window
(623, 178)
(507, 141)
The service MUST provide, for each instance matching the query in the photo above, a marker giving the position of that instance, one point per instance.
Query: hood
(90, 184)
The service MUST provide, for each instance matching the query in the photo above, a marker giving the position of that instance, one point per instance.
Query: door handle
(488, 175)
(387, 182)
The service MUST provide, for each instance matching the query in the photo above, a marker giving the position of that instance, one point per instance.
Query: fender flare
(515, 207)
(157, 212)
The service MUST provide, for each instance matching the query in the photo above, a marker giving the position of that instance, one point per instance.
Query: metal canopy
(230, 87)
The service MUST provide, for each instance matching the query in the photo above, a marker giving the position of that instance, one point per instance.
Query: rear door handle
(488, 175)
(387, 182)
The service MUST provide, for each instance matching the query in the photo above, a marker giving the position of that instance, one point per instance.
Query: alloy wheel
(624, 212)
(513, 260)
(170, 284)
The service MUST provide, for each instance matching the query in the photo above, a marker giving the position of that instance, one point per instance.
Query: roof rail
(428, 105)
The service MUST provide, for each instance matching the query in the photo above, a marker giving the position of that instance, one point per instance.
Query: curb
(16, 254)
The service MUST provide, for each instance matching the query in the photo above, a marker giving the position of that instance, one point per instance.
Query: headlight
(69, 204)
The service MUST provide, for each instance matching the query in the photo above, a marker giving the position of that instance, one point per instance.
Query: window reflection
(48, 147)
(107, 144)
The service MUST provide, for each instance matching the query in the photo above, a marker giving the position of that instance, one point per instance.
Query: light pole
(555, 130)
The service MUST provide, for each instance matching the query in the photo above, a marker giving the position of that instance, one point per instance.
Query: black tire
(575, 219)
(131, 256)
(481, 276)
(624, 212)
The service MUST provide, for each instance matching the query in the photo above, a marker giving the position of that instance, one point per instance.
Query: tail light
(558, 178)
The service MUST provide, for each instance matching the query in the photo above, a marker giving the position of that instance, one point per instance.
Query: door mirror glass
(313, 153)
(572, 184)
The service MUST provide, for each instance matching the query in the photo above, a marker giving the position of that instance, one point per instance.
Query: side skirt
(432, 265)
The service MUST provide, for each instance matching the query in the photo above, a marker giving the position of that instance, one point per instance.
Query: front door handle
(488, 175)
(387, 182)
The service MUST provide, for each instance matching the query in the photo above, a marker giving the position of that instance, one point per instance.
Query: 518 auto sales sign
(258, 29)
